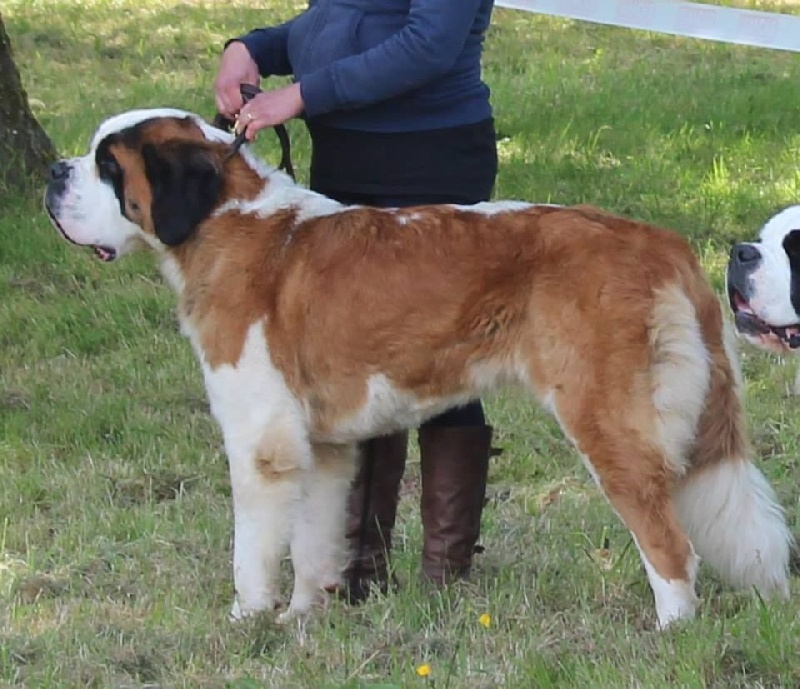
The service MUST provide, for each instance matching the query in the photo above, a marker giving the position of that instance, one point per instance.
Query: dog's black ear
(186, 181)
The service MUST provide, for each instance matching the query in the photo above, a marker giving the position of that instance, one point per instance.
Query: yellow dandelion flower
(424, 670)
(485, 620)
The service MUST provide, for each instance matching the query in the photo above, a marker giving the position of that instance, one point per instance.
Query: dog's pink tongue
(103, 253)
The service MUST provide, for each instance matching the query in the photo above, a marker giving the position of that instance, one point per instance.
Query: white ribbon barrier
(691, 19)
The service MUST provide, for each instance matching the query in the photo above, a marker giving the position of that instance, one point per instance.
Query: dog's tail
(724, 502)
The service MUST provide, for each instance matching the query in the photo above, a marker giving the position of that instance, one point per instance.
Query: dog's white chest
(244, 396)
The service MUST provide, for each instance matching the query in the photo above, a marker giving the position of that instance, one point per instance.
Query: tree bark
(25, 149)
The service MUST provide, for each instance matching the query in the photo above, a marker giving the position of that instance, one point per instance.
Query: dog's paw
(288, 616)
(237, 614)
(306, 602)
(240, 611)
(298, 613)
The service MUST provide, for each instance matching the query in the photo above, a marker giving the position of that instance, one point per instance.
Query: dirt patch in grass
(30, 589)
(149, 488)
(14, 400)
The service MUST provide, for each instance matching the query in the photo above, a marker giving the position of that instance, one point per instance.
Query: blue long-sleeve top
(382, 65)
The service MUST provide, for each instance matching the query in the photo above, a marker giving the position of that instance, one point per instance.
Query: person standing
(398, 115)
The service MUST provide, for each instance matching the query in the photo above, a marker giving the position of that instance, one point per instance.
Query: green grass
(114, 503)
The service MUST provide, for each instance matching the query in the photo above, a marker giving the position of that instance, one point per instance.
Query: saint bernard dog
(764, 284)
(318, 324)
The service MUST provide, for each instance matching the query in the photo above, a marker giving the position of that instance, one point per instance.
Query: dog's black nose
(745, 254)
(59, 171)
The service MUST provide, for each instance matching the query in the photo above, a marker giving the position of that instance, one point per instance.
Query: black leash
(249, 91)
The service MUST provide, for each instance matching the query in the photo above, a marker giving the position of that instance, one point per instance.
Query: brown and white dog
(318, 324)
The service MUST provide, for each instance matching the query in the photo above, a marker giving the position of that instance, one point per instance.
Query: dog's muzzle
(60, 172)
(57, 184)
(744, 259)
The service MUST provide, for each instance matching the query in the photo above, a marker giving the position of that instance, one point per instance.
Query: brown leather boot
(371, 511)
(454, 464)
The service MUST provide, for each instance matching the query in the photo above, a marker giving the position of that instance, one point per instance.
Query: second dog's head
(764, 284)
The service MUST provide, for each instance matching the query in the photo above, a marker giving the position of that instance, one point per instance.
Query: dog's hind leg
(318, 544)
(633, 417)
(638, 485)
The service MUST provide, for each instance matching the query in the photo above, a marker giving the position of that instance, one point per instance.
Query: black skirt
(452, 165)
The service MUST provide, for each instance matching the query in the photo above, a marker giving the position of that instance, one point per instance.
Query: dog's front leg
(267, 482)
(318, 547)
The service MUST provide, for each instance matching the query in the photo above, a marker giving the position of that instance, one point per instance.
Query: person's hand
(270, 108)
(236, 67)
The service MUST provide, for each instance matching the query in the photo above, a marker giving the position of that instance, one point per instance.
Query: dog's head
(764, 284)
(150, 176)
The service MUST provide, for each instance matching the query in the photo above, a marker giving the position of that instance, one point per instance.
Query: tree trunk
(25, 149)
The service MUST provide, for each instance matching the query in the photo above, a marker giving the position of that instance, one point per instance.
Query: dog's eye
(108, 167)
(791, 242)
(133, 207)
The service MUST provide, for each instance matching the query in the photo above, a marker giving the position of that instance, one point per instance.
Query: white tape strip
(691, 19)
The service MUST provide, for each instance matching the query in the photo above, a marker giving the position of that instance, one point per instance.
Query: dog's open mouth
(104, 253)
(748, 323)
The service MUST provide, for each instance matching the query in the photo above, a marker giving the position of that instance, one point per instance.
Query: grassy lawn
(115, 518)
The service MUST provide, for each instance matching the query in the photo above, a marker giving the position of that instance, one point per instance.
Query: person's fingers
(232, 98)
(222, 101)
(253, 125)
(236, 67)
(222, 107)
(242, 123)
(228, 96)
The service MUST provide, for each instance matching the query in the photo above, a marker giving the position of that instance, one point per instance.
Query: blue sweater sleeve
(426, 47)
(269, 47)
